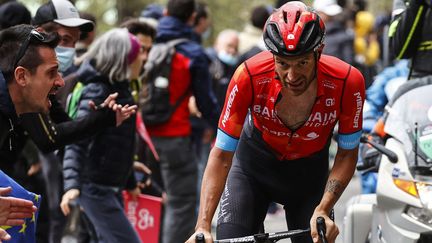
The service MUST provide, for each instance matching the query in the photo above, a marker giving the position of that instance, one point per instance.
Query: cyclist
(295, 96)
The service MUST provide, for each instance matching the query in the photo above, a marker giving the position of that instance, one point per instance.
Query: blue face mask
(227, 58)
(65, 57)
(206, 34)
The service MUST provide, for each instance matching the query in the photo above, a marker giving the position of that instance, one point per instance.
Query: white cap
(328, 7)
(62, 12)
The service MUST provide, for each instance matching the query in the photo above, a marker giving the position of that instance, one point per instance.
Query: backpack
(154, 98)
(73, 100)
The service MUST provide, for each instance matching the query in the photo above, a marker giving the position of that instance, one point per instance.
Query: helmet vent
(275, 35)
(297, 16)
(285, 17)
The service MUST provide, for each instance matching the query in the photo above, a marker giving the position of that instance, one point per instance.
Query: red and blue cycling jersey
(254, 88)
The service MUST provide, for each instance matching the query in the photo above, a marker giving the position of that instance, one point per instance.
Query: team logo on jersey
(329, 84)
(330, 102)
(359, 106)
(265, 112)
(311, 136)
(231, 97)
(262, 96)
(318, 119)
(280, 133)
(263, 81)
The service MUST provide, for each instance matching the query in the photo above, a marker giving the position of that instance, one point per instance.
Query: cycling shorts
(257, 178)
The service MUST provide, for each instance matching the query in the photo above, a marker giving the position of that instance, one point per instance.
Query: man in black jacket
(31, 75)
(28, 95)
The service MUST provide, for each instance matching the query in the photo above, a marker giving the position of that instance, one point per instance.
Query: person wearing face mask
(61, 17)
(224, 58)
(98, 169)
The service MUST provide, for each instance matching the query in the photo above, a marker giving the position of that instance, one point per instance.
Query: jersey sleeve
(237, 102)
(350, 120)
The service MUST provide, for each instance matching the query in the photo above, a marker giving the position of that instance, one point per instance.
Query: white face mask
(227, 58)
(65, 57)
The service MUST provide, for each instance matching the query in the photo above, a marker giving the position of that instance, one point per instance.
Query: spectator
(151, 14)
(30, 76)
(252, 32)
(57, 128)
(366, 45)
(202, 23)
(339, 39)
(259, 46)
(99, 168)
(224, 56)
(13, 13)
(81, 46)
(145, 34)
(172, 139)
(86, 38)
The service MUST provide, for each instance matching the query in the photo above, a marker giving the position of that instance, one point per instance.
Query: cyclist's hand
(332, 230)
(207, 236)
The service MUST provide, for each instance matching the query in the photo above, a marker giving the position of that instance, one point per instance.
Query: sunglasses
(34, 35)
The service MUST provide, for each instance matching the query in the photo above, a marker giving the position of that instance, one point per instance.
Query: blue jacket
(107, 157)
(376, 97)
(170, 28)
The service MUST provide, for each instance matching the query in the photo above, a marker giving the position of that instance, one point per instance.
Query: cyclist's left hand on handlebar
(332, 230)
(207, 236)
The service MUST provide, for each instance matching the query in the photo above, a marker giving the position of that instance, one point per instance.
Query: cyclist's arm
(220, 158)
(350, 129)
(215, 175)
(349, 133)
(340, 175)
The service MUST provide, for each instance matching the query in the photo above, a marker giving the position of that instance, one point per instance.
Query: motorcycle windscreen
(409, 120)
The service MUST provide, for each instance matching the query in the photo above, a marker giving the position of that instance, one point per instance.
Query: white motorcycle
(401, 208)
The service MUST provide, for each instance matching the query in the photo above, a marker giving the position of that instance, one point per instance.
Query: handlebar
(271, 237)
(321, 227)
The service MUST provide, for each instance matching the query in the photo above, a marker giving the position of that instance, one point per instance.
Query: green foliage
(234, 14)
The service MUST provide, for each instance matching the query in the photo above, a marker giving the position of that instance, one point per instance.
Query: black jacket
(107, 157)
(12, 136)
(412, 36)
(49, 132)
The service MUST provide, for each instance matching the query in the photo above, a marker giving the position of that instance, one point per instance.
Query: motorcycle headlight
(421, 190)
(420, 214)
(425, 192)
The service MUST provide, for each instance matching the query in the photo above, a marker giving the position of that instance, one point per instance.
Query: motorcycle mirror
(392, 156)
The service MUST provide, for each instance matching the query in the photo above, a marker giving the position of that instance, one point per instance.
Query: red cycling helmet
(293, 29)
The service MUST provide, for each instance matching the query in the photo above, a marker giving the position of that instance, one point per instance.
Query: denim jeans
(104, 207)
